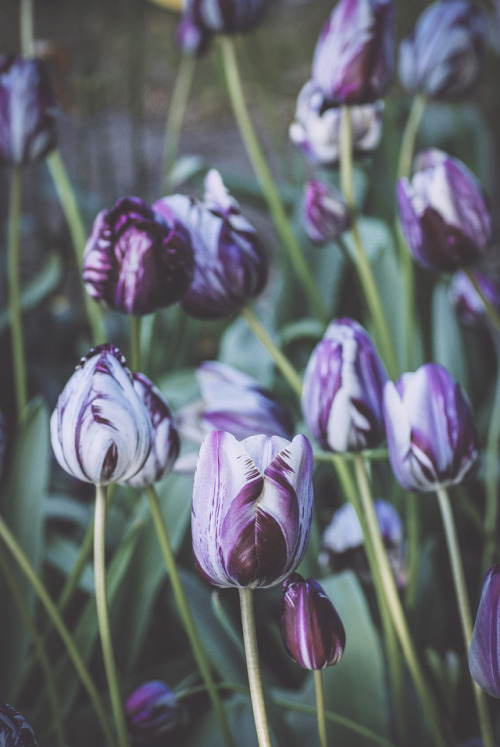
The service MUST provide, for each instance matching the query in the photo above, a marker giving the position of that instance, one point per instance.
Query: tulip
(193, 38)
(14, 729)
(466, 301)
(136, 261)
(28, 129)
(100, 428)
(430, 430)
(151, 711)
(225, 16)
(311, 628)
(230, 264)
(354, 57)
(443, 57)
(252, 508)
(443, 213)
(343, 384)
(324, 212)
(484, 653)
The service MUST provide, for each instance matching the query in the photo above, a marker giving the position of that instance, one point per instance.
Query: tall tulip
(14, 729)
(484, 653)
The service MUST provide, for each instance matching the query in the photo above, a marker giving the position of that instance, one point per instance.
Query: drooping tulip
(484, 652)
(325, 215)
(14, 729)
(151, 712)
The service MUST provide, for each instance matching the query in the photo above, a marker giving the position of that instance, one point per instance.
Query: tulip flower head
(484, 652)
(100, 428)
(466, 301)
(14, 729)
(151, 712)
(225, 16)
(193, 38)
(311, 628)
(431, 434)
(252, 508)
(324, 212)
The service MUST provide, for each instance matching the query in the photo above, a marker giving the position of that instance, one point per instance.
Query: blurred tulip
(100, 428)
(484, 652)
(324, 212)
(193, 38)
(225, 16)
(430, 430)
(466, 301)
(151, 712)
(14, 729)
(252, 508)
(136, 261)
(443, 213)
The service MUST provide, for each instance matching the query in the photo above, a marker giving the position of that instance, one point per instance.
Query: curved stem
(410, 135)
(103, 615)
(491, 479)
(176, 112)
(135, 343)
(460, 585)
(186, 615)
(258, 160)
(16, 326)
(253, 668)
(320, 707)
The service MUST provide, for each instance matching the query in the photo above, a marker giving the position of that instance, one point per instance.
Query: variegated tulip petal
(484, 653)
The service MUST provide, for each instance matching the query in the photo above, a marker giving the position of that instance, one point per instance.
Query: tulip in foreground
(14, 729)
(151, 712)
(484, 653)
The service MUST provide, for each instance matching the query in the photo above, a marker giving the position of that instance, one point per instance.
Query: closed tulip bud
(343, 385)
(151, 711)
(28, 130)
(316, 129)
(192, 38)
(225, 16)
(137, 261)
(443, 57)
(311, 628)
(252, 508)
(484, 652)
(468, 305)
(165, 442)
(430, 430)
(230, 263)
(324, 212)
(14, 729)
(443, 213)
(100, 428)
(354, 57)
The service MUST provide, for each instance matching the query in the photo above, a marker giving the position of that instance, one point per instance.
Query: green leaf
(37, 289)
(241, 349)
(61, 553)
(447, 340)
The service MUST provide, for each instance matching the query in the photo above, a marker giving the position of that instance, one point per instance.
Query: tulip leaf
(61, 553)
(241, 349)
(447, 340)
(66, 508)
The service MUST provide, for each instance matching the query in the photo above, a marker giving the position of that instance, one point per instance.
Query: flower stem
(460, 585)
(27, 28)
(413, 524)
(103, 615)
(320, 707)
(186, 615)
(258, 160)
(135, 343)
(16, 327)
(410, 135)
(253, 668)
(176, 112)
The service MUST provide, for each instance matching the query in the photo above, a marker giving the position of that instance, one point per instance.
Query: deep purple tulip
(137, 261)
(484, 652)
(343, 385)
(252, 508)
(225, 16)
(467, 302)
(430, 430)
(14, 729)
(151, 711)
(354, 57)
(325, 215)
(100, 428)
(443, 213)
(316, 129)
(230, 263)
(28, 130)
(311, 628)
(443, 57)
(165, 442)
(193, 38)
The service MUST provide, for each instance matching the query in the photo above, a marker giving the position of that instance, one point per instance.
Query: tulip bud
(151, 711)
(324, 212)
(192, 38)
(100, 429)
(165, 443)
(225, 16)
(354, 57)
(136, 261)
(14, 729)
(316, 129)
(443, 213)
(342, 395)
(28, 129)
(252, 508)
(484, 652)
(311, 628)
(467, 302)
(430, 430)
(230, 264)
(443, 57)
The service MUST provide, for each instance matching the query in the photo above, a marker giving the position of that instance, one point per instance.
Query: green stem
(176, 113)
(363, 267)
(460, 585)
(413, 550)
(253, 668)
(186, 615)
(492, 313)
(27, 28)
(14, 261)
(280, 360)
(491, 479)
(103, 615)
(410, 135)
(320, 707)
(258, 160)
(135, 343)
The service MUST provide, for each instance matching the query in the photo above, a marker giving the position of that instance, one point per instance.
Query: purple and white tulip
(325, 215)
(100, 428)
(484, 652)
(466, 301)
(443, 56)
(344, 531)
(252, 508)
(343, 386)
(443, 213)
(311, 628)
(135, 260)
(193, 38)
(28, 130)
(151, 711)
(225, 16)
(430, 430)
(14, 729)
(230, 263)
